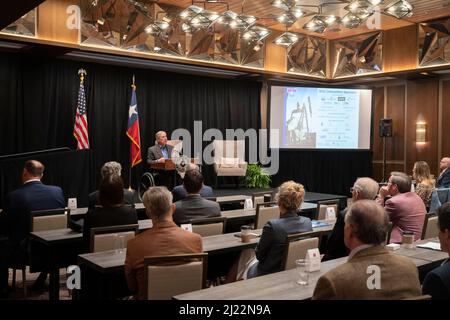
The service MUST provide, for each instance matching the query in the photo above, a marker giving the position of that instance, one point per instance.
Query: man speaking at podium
(158, 154)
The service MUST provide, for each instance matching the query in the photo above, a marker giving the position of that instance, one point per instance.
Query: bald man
(444, 177)
(371, 271)
(31, 196)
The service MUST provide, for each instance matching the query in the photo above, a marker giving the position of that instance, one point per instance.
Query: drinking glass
(303, 274)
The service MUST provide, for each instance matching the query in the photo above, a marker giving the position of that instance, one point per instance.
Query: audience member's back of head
(34, 168)
(368, 221)
(111, 191)
(290, 195)
(443, 213)
(367, 187)
(193, 181)
(421, 171)
(111, 168)
(158, 202)
(402, 180)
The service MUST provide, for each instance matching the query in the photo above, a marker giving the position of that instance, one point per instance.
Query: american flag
(80, 130)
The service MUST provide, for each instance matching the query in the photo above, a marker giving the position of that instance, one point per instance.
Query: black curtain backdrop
(324, 171)
(38, 105)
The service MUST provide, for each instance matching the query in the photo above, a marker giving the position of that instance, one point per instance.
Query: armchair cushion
(229, 162)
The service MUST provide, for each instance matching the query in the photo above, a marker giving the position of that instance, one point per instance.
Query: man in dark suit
(179, 192)
(108, 169)
(444, 177)
(363, 188)
(158, 154)
(194, 206)
(437, 282)
(31, 196)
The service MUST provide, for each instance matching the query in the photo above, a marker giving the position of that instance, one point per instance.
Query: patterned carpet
(18, 292)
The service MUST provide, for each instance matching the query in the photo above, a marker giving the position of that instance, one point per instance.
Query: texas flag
(133, 129)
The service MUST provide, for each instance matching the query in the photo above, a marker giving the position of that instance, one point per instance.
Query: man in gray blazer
(158, 154)
(194, 206)
(161, 150)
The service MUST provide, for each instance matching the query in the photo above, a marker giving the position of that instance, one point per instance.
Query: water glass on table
(302, 272)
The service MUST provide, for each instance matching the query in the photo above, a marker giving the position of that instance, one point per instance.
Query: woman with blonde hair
(424, 182)
(270, 248)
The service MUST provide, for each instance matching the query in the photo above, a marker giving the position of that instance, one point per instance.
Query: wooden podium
(168, 165)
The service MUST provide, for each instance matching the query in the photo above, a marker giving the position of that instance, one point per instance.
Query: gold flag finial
(82, 73)
(133, 85)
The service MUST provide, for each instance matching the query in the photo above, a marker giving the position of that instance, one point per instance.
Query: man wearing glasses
(406, 209)
(363, 188)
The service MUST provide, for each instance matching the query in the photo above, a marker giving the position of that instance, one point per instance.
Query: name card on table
(312, 260)
(187, 227)
(248, 204)
(72, 203)
(331, 214)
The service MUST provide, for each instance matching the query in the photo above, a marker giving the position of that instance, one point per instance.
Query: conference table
(55, 240)
(283, 286)
(140, 206)
(105, 263)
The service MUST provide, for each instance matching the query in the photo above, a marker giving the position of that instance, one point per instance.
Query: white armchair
(229, 158)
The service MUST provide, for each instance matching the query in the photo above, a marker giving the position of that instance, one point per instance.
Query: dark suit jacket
(128, 197)
(179, 192)
(335, 244)
(165, 238)
(271, 246)
(106, 217)
(29, 197)
(437, 282)
(195, 207)
(444, 179)
(154, 153)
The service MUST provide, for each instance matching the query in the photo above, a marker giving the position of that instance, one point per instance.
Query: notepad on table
(430, 245)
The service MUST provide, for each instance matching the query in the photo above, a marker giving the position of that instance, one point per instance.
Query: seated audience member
(110, 168)
(112, 212)
(270, 248)
(424, 182)
(194, 206)
(179, 192)
(31, 196)
(444, 177)
(405, 209)
(366, 225)
(363, 189)
(165, 238)
(437, 282)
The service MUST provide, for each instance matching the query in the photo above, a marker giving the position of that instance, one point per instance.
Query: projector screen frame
(270, 84)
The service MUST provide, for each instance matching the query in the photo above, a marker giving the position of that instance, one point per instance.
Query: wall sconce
(421, 132)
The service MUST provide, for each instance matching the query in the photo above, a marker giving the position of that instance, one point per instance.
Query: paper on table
(430, 245)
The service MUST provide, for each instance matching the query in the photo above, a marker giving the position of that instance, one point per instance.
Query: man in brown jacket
(371, 271)
(165, 238)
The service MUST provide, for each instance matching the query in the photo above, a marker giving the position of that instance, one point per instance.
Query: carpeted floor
(18, 292)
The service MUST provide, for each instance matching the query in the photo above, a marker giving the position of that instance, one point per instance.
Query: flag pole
(133, 87)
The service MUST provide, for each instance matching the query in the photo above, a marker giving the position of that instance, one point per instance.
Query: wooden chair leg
(14, 279)
(24, 281)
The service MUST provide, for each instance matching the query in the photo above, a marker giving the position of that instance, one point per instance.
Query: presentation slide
(321, 118)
